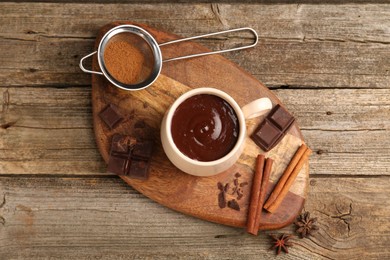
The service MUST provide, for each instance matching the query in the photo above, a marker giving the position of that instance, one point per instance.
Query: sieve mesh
(128, 58)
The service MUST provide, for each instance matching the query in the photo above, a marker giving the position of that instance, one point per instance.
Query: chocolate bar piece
(110, 116)
(122, 144)
(120, 154)
(119, 165)
(281, 118)
(139, 169)
(130, 157)
(272, 130)
(143, 150)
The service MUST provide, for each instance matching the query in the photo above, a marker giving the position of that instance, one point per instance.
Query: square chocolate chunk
(119, 165)
(274, 127)
(110, 116)
(139, 169)
(281, 118)
(143, 150)
(122, 143)
(266, 135)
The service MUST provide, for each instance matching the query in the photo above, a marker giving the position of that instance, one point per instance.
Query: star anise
(306, 225)
(281, 243)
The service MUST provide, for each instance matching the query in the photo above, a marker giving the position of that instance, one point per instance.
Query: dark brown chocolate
(129, 157)
(110, 116)
(222, 200)
(118, 165)
(273, 128)
(233, 204)
(122, 144)
(143, 150)
(139, 169)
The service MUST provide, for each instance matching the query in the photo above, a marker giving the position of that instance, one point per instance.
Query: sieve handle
(84, 69)
(212, 52)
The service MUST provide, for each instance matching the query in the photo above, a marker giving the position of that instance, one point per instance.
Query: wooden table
(329, 64)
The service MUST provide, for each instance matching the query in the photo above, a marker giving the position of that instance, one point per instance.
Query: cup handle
(257, 108)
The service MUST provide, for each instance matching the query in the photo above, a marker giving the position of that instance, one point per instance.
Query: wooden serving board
(143, 111)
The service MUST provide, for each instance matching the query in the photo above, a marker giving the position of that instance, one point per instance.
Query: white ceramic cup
(199, 168)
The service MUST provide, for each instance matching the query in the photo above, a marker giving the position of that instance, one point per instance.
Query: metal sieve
(151, 52)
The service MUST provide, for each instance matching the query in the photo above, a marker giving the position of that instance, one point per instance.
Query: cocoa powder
(124, 61)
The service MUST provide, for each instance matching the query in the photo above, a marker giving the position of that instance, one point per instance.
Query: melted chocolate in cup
(205, 127)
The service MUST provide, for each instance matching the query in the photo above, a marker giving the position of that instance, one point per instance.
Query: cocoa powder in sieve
(124, 61)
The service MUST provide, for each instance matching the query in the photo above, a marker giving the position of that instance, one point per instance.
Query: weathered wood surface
(104, 218)
(340, 125)
(329, 64)
(300, 45)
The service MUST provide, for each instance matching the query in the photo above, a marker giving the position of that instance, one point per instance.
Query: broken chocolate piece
(110, 116)
(226, 188)
(272, 130)
(120, 154)
(239, 194)
(233, 204)
(267, 135)
(220, 186)
(119, 164)
(139, 169)
(281, 118)
(122, 143)
(143, 150)
(243, 184)
(130, 157)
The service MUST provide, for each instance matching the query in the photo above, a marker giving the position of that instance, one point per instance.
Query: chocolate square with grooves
(281, 118)
(120, 154)
(110, 116)
(266, 135)
(272, 130)
(139, 169)
(118, 165)
(122, 143)
(143, 150)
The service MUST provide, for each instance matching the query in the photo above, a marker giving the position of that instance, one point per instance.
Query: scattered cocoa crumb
(222, 200)
(233, 188)
(243, 184)
(240, 193)
(220, 186)
(233, 205)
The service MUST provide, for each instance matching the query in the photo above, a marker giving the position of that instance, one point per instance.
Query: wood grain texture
(344, 46)
(44, 134)
(329, 64)
(104, 218)
(209, 1)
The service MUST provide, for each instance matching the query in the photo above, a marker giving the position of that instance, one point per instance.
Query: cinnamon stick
(286, 174)
(274, 206)
(256, 185)
(263, 191)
